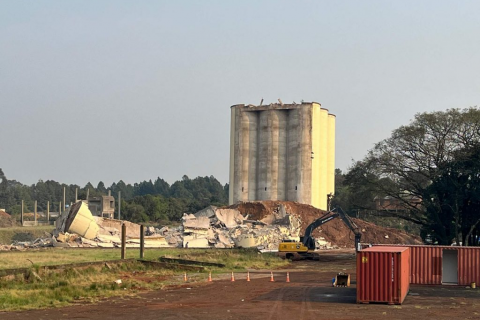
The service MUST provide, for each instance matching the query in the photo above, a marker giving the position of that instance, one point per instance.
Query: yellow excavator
(304, 249)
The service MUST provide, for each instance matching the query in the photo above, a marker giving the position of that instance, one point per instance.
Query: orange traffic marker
(271, 277)
(185, 277)
(209, 277)
(288, 277)
(233, 278)
(248, 276)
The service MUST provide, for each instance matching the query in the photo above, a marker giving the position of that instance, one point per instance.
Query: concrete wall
(281, 152)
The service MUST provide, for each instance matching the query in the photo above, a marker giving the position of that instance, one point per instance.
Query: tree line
(147, 201)
(431, 167)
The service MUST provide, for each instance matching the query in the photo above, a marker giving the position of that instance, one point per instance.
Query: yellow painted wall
(316, 144)
(331, 154)
(323, 159)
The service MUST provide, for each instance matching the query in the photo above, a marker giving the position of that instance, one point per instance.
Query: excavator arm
(309, 242)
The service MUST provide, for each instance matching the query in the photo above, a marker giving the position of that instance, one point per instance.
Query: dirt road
(309, 295)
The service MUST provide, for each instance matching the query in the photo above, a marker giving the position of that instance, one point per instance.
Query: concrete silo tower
(282, 152)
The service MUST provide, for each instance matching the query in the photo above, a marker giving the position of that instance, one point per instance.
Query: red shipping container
(443, 264)
(383, 274)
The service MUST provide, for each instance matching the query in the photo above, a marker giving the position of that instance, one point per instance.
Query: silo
(304, 161)
(248, 155)
(233, 142)
(279, 154)
(293, 153)
(282, 152)
(331, 155)
(264, 157)
(323, 156)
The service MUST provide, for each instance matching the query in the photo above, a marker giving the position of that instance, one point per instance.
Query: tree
(416, 161)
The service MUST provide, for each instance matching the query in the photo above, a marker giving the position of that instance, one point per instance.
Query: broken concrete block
(229, 217)
(208, 212)
(80, 221)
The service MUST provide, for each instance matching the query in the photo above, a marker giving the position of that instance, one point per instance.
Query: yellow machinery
(304, 249)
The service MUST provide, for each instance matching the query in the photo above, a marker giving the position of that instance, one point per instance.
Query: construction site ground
(308, 295)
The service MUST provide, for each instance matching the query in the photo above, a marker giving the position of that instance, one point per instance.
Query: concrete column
(232, 155)
(35, 213)
(64, 203)
(279, 157)
(293, 154)
(119, 203)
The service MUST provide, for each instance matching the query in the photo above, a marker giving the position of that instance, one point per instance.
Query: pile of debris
(228, 227)
(261, 224)
(6, 220)
(334, 234)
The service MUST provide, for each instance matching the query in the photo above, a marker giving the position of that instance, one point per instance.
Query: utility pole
(48, 212)
(76, 195)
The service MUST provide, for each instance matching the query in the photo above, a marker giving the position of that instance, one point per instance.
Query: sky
(134, 90)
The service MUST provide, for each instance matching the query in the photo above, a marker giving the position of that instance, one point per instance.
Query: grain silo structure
(282, 152)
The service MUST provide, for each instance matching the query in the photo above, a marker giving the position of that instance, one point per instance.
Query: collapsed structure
(260, 224)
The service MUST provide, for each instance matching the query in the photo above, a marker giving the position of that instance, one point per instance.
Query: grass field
(60, 288)
(8, 235)
(234, 259)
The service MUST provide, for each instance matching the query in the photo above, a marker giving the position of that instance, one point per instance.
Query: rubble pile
(6, 220)
(333, 234)
(228, 227)
(261, 224)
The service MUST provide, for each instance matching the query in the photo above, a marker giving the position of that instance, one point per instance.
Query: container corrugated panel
(426, 264)
(383, 274)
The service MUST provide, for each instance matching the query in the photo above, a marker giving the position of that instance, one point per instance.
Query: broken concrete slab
(196, 223)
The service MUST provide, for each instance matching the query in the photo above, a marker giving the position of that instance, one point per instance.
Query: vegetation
(435, 160)
(8, 235)
(60, 288)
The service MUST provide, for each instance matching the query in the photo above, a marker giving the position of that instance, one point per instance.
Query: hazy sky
(134, 90)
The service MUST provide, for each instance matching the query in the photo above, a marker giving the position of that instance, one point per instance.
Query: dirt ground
(309, 295)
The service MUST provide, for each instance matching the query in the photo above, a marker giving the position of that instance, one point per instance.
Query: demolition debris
(259, 224)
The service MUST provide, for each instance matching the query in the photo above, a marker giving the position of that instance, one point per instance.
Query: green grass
(63, 288)
(60, 288)
(8, 235)
(234, 259)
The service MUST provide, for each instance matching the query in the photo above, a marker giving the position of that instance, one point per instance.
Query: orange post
(209, 277)
(248, 276)
(185, 277)
(288, 277)
(271, 277)
(233, 278)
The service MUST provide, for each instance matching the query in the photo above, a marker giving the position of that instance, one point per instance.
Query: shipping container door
(449, 266)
